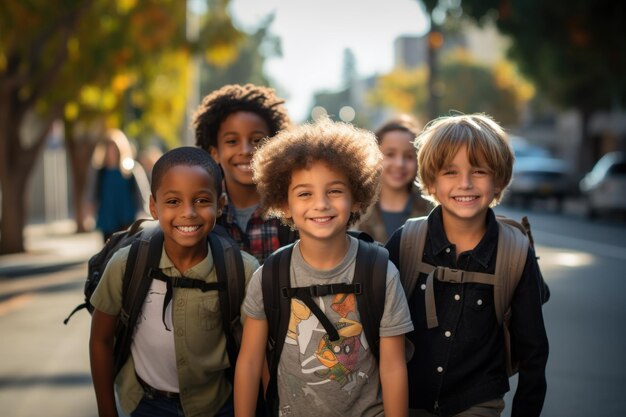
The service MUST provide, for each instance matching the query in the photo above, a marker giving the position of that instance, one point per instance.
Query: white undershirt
(153, 346)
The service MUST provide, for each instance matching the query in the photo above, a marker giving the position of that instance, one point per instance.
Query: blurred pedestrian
(400, 199)
(117, 187)
(231, 123)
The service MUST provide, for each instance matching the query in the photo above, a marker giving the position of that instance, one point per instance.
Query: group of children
(306, 187)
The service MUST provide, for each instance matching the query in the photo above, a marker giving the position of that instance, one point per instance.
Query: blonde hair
(486, 141)
(342, 146)
(117, 138)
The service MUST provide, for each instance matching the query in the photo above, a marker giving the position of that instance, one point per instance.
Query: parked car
(522, 148)
(604, 187)
(541, 177)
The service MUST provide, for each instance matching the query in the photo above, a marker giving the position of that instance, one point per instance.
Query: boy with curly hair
(320, 178)
(458, 369)
(230, 124)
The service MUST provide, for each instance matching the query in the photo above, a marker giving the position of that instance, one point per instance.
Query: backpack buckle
(450, 275)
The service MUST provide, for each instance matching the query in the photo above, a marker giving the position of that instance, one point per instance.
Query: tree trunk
(434, 43)
(16, 167)
(13, 213)
(586, 152)
(79, 151)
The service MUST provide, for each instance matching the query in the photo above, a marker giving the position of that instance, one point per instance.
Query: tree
(573, 51)
(496, 90)
(247, 66)
(78, 59)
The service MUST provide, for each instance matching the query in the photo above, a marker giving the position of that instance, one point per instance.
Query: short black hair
(186, 156)
(219, 104)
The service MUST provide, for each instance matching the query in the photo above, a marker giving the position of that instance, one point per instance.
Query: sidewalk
(50, 247)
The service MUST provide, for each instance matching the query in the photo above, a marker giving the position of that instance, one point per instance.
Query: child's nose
(466, 180)
(321, 202)
(189, 210)
(247, 147)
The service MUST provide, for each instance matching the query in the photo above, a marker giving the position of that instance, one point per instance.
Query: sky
(315, 33)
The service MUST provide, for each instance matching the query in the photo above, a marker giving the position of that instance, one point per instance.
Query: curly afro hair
(216, 106)
(342, 146)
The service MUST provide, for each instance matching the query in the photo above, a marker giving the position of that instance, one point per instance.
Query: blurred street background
(553, 73)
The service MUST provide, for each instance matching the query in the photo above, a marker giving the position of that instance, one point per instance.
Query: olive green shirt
(199, 340)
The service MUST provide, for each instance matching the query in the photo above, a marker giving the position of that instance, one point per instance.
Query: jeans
(160, 406)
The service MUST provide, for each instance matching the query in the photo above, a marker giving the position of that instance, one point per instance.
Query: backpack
(146, 240)
(513, 243)
(368, 285)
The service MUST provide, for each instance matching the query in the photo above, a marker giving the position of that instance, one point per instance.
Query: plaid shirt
(261, 235)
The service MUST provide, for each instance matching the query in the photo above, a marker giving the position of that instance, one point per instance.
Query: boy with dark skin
(230, 124)
(178, 363)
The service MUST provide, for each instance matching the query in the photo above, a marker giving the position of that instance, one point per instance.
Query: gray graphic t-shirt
(317, 377)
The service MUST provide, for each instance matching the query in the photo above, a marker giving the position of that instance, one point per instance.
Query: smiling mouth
(322, 219)
(188, 229)
(466, 199)
(244, 167)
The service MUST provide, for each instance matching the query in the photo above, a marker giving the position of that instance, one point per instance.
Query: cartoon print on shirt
(331, 361)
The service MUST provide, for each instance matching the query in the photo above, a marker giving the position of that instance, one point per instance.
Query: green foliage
(463, 85)
(247, 67)
(572, 50)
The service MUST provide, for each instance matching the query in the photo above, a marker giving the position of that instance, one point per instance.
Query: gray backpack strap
(412, 241)
(512, 253)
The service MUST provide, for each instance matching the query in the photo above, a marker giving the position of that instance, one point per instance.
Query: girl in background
(399, 198)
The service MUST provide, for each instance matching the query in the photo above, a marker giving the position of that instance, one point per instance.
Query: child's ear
(221, 203)
(153, 210)
(214, 154)
(286, 211)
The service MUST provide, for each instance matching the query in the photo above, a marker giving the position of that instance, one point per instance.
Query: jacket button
(448, 333)
(479, 302)
(423, 287)
(457, 297)
(439, 369)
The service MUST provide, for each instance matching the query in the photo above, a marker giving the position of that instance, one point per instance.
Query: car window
(617, 169)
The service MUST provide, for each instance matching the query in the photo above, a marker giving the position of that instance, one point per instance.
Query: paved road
(45, 364)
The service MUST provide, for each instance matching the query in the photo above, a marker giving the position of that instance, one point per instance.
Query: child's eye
(481, 171)
(304, 194)
(335, 191)
(257, 141)
(171, 202)
(448, 172)
(202, 201)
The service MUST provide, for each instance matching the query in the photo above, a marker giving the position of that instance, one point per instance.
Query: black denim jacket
(460, 363)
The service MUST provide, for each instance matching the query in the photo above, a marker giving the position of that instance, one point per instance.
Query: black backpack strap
(232, 285)
(276, 275)
(145, 253)
(370, 273)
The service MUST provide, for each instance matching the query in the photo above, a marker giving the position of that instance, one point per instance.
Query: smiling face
(464, 191)
(320, 202)
(186, 206)
(237, 138)
(400, 160)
